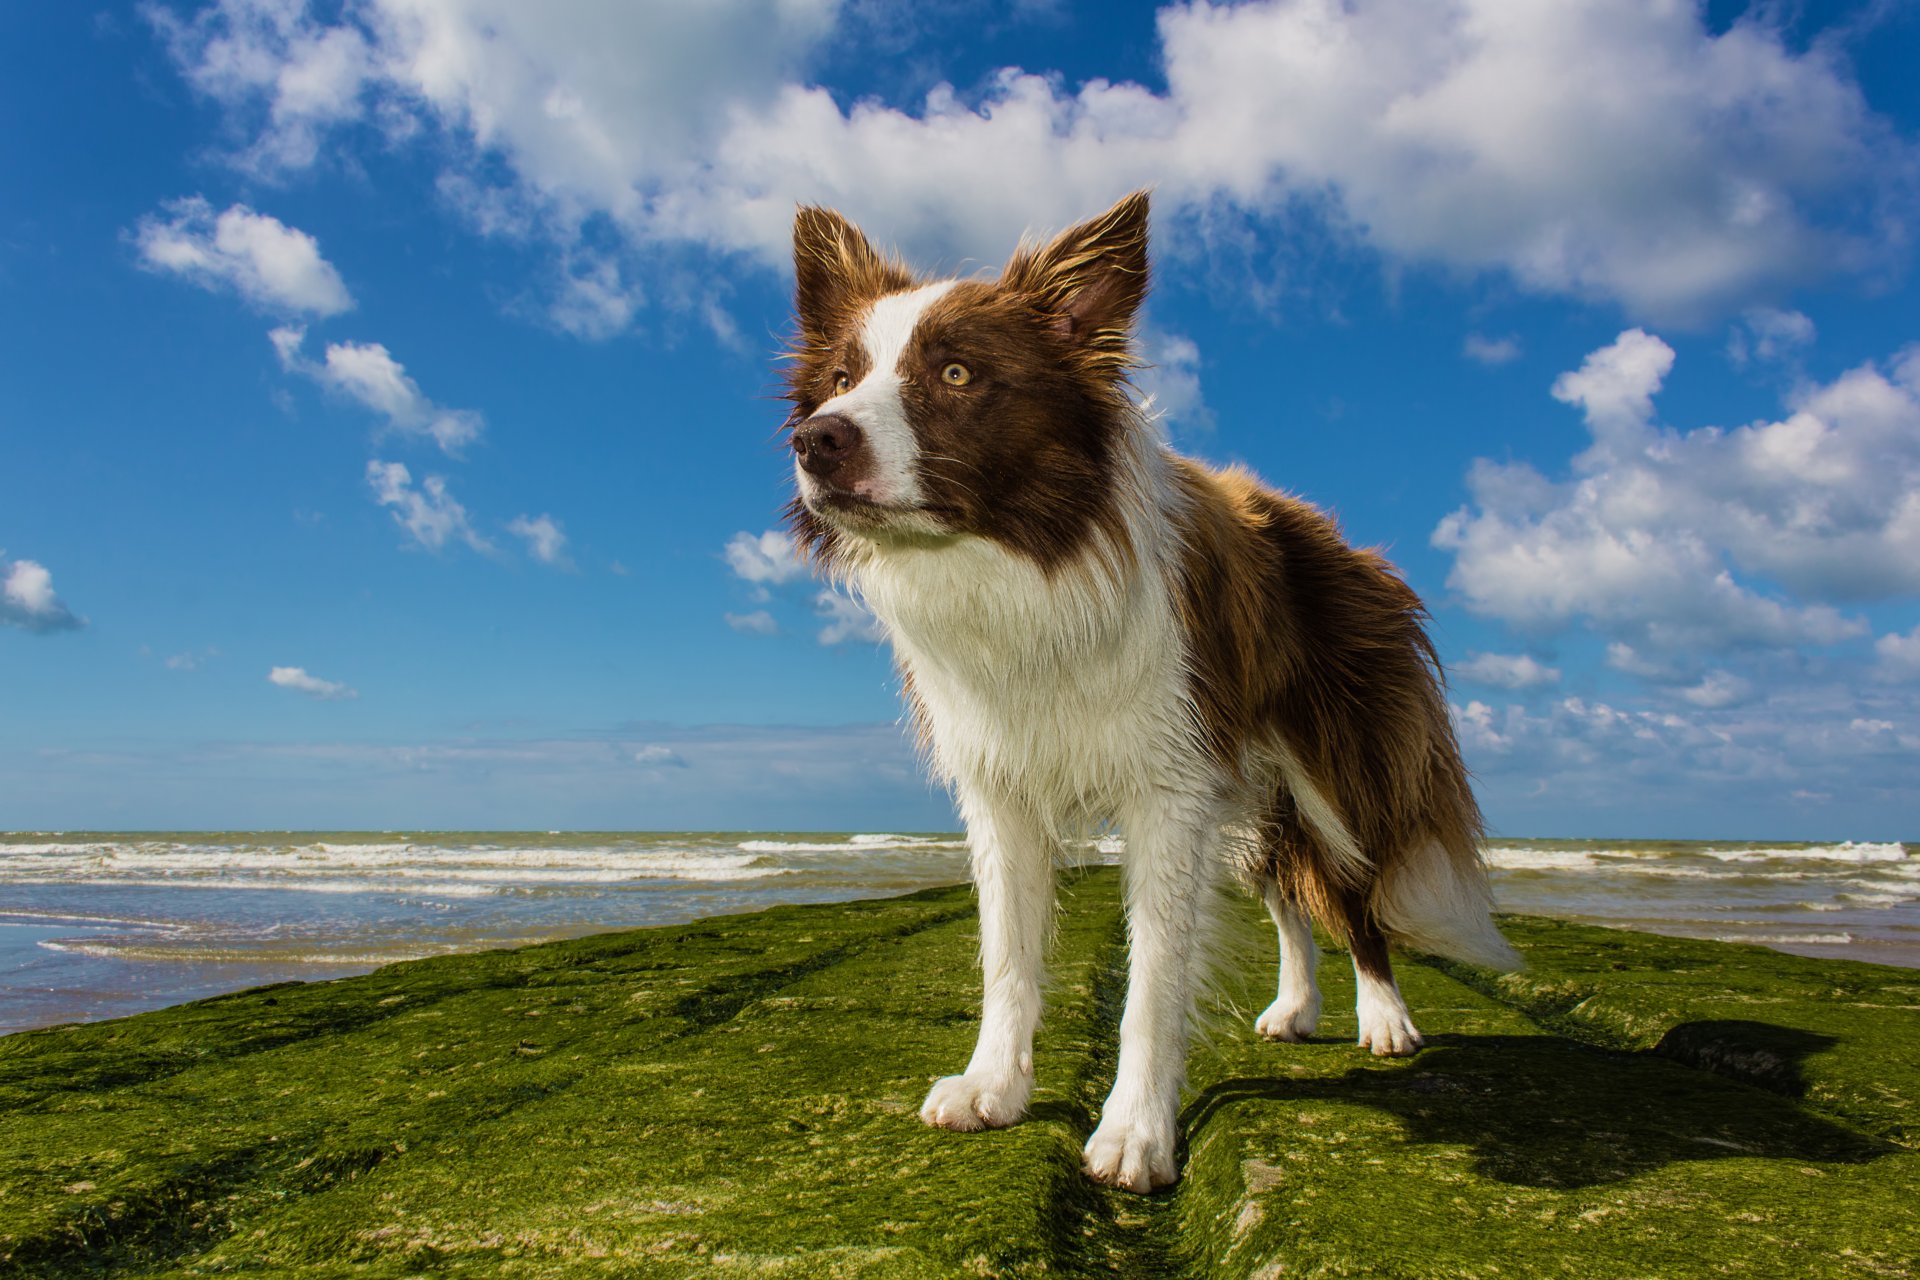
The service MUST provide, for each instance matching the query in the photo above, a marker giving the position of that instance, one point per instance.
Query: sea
(96, 925)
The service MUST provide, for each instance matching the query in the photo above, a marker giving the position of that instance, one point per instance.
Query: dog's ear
(835, 269)
(1089, 280)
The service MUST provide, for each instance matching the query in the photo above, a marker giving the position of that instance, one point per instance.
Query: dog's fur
(1092, 628)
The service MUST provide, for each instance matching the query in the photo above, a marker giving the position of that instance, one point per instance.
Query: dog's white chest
(1069, 691)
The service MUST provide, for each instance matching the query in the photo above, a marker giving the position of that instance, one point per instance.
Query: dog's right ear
(835, 270)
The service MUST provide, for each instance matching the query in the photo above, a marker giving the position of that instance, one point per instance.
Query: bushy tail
(1437, 900)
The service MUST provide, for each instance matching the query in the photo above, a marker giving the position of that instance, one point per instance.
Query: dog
(1092, 628)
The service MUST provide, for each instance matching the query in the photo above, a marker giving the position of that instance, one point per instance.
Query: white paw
(1388, 1030)
(972, 1102)
(1290, 1018)
(1132, 1157)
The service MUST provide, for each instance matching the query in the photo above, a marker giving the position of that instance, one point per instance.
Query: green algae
(739, 1097)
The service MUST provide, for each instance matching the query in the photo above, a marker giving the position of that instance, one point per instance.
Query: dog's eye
(841, 382)
(956, 375)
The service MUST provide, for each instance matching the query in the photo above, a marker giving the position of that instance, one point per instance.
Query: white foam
(1848, 851)
(1522, 858)
(1770, 939)
(852, 844)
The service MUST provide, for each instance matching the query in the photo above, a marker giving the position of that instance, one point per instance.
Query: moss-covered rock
(738, 1097)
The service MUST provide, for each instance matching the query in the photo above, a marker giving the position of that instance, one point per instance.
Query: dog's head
(961, 407)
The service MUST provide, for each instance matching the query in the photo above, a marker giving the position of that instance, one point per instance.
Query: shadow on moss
(1542, 1112)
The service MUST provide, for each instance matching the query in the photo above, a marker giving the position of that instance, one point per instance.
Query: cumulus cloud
(1804, 740)
(1170, 379)
(27, 598)
(767, 560)
(1708, 539)
(298, 680)
(1505, 670)
(1717, 689)
(1765, 335)
(368, 373)
(429, 513)
(273, 266)
(1898, 656)
(546, 541)
(846, 619)
(307, 75)
(1614, 149)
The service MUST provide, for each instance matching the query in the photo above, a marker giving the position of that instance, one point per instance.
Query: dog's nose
(824, 442)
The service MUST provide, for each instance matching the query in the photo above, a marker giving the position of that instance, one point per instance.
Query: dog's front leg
(1013, 877)
(1169, 871)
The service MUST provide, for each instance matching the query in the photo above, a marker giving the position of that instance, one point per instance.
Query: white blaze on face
(874, 404)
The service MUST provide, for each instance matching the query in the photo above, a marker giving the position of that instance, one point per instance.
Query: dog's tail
(1436, 899)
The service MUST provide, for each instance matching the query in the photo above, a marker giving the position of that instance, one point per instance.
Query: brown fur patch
(1295, 633)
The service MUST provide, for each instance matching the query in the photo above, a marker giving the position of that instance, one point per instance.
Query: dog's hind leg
(1295, 1011)
(1013, 877)
(1170, 871)
(1386, 1026)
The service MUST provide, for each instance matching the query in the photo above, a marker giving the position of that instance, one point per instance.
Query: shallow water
(98, 925)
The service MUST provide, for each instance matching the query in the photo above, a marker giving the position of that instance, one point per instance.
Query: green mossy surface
(738, 1097)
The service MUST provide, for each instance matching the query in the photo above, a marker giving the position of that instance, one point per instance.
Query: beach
(96, 925)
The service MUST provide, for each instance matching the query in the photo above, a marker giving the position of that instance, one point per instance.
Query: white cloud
(1624, 657)
(1767, 335)
(1725, 753)
(546, 541)
(297, 679)
(1717, 689)
(759, 622)
(274, 266)
(27, 598)
(1899, 656)
(659, 757)
(307, 76)
(846, 619)
(368, 373)
(1709, 539)
(1506, 670)
(769, 560)
(1491, 351)
(1603, 148)
(1615, 385)
(429, 513)
(1170, 379)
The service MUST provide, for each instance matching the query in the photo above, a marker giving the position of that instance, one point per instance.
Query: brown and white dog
(1092, 628)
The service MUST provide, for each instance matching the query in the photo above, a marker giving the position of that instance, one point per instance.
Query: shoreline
(100, 925)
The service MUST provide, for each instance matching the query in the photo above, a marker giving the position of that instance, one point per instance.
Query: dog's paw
(1388, 1030)
(1290, 1018)
(1132, 1157)
(972, 1102)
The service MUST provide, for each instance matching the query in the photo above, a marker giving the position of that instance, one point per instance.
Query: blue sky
(386, 387)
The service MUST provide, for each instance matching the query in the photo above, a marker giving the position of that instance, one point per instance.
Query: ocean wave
(1523, 858)
(852, 844)
(1847, 851)
(188, 865)
(1774, 939)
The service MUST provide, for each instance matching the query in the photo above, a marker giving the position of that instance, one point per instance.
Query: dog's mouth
(857, 511)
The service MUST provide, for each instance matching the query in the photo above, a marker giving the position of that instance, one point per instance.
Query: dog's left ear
(1090, 279)
(835, 270)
